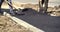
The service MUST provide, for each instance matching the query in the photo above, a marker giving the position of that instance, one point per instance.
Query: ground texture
(8, 25)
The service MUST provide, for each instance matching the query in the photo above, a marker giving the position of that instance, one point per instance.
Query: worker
(44, 8)
(9, 2)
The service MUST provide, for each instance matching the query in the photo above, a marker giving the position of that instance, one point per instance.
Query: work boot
(12, 13)
(1, 12)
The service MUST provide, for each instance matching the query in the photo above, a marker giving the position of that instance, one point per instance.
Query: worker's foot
(1, 12)
(45, 13)
(12, 14)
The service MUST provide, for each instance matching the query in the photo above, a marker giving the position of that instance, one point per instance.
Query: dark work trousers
(45, 2)
(1, 1)
(42, 2)
(10, 4)
(46, 5)
(11, 7)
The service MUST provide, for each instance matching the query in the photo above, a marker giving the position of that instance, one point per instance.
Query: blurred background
(54, 5)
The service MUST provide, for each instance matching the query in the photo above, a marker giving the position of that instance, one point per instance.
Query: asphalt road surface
(44, 22)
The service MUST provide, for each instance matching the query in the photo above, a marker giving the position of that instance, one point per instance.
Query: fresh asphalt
(44, 22)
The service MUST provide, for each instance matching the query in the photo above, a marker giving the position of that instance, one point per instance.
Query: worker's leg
(1, 1)
(46, 6)
(41, 6)
(10, 6)
(42, 2)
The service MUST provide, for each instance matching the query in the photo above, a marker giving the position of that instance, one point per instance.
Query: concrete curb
(24, 23)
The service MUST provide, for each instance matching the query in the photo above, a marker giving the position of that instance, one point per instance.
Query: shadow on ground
(45, 22)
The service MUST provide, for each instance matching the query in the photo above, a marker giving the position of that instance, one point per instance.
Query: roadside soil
(8, 25)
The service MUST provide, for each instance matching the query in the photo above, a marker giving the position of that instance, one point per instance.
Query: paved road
(44, 22)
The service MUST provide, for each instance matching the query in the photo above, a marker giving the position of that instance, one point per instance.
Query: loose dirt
(8, 25)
